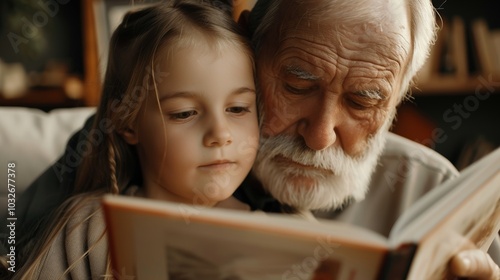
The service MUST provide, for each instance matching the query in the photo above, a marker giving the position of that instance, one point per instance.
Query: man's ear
(130, 135)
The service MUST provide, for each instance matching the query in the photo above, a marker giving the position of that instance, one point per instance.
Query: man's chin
(301, 183)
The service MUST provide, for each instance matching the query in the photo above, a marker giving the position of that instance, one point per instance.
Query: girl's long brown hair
(109, 164)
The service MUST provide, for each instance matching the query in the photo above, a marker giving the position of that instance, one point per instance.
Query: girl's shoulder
(75, 245)
(85, 240)
(84, 214)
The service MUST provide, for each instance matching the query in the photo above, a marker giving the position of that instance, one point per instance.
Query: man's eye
(361, 103)
(183, 115)
(365, 99)
(356, 105)
(299, 90)
(238, 110)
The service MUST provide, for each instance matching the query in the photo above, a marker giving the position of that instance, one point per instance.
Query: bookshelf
(455, 101)
(464, 59)
(455, 86)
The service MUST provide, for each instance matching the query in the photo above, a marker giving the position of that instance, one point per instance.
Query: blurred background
(455, 107)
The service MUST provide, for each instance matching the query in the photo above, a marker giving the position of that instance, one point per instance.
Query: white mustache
(333, 159)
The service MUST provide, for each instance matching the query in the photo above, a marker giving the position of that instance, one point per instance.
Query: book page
(227, 244)
(469, 212)
(453, 235)
(436, 205)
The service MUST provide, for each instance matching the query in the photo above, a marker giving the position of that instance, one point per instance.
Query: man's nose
(318, 127)
(218, 133)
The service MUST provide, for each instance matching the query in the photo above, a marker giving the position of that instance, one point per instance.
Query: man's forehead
(324, 23)
(326, 14)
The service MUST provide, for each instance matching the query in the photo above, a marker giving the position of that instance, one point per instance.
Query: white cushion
(33, 140)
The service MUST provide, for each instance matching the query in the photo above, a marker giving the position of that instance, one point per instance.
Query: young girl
(178, 106)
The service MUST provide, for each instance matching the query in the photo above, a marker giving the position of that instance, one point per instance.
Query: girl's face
(203, 143)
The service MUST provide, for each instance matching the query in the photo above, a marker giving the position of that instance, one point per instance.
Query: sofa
(33, 140)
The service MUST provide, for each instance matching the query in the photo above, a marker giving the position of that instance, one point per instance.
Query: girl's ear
(130, 135)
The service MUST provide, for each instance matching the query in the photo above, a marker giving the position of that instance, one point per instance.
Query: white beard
(340, 177)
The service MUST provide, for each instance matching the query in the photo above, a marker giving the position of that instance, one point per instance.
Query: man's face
(328, 89)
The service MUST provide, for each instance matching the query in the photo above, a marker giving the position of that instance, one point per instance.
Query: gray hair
(423, 30)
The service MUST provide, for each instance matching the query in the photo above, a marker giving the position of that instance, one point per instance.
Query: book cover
(160, 240)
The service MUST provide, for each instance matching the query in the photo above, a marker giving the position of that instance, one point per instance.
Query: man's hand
(474, 264)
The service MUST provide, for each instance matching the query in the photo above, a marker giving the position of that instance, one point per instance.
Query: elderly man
(330, 74)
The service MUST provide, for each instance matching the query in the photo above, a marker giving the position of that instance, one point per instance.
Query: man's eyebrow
(372, 94)
(301, 73)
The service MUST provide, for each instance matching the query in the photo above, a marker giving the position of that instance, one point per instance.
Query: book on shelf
(432, 66)
(459, 48)
(453, 54)
(160, 240)
(483, 47)
(495, 42)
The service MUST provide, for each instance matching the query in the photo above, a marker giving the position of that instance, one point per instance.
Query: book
(483, 47)
(495, 41)
(431, 68)
(459, 46)
(160, 240)
(473, 151)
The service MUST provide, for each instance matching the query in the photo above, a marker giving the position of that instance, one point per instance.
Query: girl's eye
(183, 115)
(238, 110)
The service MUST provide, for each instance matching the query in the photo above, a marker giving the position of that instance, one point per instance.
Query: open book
(158, 240)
